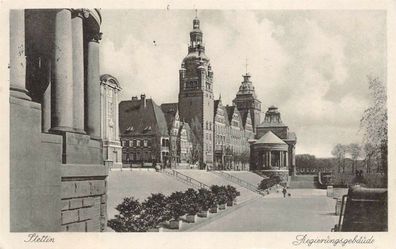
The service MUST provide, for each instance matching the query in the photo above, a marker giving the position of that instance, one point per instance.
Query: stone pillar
(280, 159)
(62, 83)
(17, 55)
(287, 159)
(46, 102)
(78, 71)
(93, 125)
(269, 159)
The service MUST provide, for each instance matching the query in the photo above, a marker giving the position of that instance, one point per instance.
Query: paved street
(305, 210)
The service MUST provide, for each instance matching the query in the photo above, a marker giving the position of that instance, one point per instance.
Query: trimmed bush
(155, 210)
(220, 192)
(192, 202)
(177, 205)
(129, 219)
(206, 199)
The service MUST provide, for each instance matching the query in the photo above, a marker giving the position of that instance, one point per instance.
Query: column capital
(95, 37)
(78, 13)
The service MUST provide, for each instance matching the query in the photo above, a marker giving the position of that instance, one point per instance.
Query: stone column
(280, 159)
(78, 71)
(93, 125)
(46, 102)
(269, 159)
(17, 55)
(287, 158)
(62, 90)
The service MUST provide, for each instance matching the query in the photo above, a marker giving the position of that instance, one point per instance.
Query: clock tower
(196, 101)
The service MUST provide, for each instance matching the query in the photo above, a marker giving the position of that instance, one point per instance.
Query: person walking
(284, 191)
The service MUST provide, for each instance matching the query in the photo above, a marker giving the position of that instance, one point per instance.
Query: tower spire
(246, 65)
(196, 13)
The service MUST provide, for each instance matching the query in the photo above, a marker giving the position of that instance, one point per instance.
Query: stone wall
(283, 174)
(83, 198)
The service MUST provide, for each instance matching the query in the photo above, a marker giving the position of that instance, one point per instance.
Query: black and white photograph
(198, 121)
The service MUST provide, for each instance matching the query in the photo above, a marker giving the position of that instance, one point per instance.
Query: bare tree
(339, 152)
(354, 150)
(374, 124)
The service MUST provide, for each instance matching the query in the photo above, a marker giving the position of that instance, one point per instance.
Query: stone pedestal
(35, 160)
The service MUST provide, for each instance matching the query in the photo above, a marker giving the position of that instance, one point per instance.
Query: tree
(339, 152)
(354, 150)
(374, 124)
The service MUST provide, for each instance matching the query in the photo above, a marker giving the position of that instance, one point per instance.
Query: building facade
(143, 133)
(57, 171)
(196, 101)
(109, 90)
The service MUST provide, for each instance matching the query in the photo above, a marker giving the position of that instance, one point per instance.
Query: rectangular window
(130, 144)
(145, 143)
(138, 143)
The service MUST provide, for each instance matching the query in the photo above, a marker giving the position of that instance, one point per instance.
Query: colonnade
(70, 102)
(267, 158)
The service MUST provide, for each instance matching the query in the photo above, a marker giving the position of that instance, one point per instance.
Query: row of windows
(136, 143)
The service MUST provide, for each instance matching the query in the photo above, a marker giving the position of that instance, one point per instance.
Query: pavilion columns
(269, 159)
(286, 159)
(17, 55)
(280, 159)
(93, 124)
(62, 80)
(78, 71)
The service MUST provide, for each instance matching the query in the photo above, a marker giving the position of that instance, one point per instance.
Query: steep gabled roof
(170, 110)
(137, 119)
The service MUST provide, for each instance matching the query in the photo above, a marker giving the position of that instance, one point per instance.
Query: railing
(238, 181)
(186, 179)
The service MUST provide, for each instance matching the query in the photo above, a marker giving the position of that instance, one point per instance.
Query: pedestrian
(284, 191)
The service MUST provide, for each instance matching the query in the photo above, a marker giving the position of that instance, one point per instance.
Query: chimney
(143, 98)
(134, 98)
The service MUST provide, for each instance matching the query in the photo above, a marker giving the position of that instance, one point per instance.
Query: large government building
(57, 169)
(216, 136)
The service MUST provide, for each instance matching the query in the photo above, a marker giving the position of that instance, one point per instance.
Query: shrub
(232, 193)
(177, 205)
(220, 193)
(128, 220)
(155, 210)
(268, 183)
(206, 199)
(192, 202)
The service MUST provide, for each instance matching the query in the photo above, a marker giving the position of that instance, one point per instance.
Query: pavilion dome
(270, 138)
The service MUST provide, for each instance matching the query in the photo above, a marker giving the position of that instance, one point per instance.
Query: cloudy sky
(313, 65)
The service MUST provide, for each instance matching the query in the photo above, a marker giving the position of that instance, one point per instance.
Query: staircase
(185, 179)
(304, 181)
(238, 181)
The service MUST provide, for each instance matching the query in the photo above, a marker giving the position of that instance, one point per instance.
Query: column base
(19, 93)
(61, 129)
(79, 131)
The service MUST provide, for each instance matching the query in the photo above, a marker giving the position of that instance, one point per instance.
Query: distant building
(110, 87)
(247, 101)
(180, 137)
(273, 151)
(143, 133)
